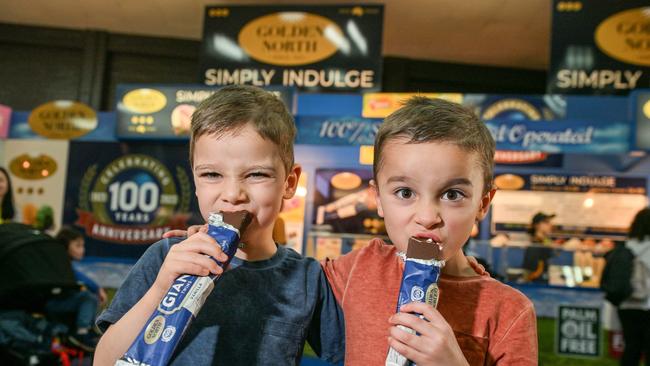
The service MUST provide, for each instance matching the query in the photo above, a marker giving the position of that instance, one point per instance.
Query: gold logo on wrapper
(154, 330)
(433, 294)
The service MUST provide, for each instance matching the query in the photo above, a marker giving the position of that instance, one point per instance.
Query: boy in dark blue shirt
(271, 299)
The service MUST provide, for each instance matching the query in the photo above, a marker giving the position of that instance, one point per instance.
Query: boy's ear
(485, 204)
(291, 183)
(375, 189)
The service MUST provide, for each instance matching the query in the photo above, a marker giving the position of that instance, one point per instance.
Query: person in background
(83, 303)
(6, 197)
(540, 228)
(634, 312)
(537, 254)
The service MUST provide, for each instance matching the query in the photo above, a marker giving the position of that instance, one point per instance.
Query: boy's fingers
(197, 228)
(427, 310)
(195, 264)
(403, 349)
(476, 266)
(205, 244)
(414, 322)
(174, 234)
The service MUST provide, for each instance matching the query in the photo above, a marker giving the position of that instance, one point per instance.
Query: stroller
(34, 267)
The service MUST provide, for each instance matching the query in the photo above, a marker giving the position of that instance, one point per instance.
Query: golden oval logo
(154, 330)
(144, 101)
(292, 38)
(509, 182)
(33, 168)
(62, 119)
(625, 36)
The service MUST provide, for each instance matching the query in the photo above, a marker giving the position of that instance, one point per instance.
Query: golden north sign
(291, 38)
(308, 47)
(62, 119)
(625, 36)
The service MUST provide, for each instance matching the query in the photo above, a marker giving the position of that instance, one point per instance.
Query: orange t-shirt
(494, 323)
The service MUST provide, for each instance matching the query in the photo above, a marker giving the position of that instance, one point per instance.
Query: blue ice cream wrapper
(158, 339)
(419, 284)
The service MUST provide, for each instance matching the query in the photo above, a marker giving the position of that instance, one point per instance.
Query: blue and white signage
(566, 136)
(336, 130)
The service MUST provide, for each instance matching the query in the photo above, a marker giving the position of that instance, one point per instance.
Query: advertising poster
(578, 331)
(307, 47)
(38, 177)
(126, 197)
(344, 202)
(583, 205)
(599, 47)
(165, 111)
(520, 108)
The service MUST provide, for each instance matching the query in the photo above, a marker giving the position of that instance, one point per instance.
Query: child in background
(433, 169)
(271, 299)
(84, 302)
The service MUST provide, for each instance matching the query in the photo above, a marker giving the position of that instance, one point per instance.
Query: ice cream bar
(163, 331)
(422, 267)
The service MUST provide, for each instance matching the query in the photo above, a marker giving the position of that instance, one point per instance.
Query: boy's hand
(436, 343)
(101, 295)
(190, 257)
(189, 232)
(476, 266)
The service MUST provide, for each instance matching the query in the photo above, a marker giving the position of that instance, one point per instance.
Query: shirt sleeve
(338, 272)
(518, 346)
(136, 284)
(326, 333)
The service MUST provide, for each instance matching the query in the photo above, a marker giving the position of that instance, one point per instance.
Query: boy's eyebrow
(449, 183)
(263, 167)
(203, 166)
(397, 178)
(459, 181)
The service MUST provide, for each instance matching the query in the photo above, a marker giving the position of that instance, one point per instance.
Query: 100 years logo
(133, 200)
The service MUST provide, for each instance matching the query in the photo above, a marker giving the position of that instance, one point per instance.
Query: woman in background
(634, 312)
(6, 197)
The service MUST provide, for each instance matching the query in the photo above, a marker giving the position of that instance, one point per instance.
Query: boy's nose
(233, 192)
(427, 216)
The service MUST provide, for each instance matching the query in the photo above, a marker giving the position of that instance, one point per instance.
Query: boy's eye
(453, 195)
(258, 175)
(404, 193)
(210, 175)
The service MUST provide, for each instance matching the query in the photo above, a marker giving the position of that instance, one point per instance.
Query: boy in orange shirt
(433, 169)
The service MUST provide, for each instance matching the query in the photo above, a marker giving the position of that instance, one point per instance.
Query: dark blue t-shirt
(259, 313)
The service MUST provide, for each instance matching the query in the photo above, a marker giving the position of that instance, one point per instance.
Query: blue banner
(566, 136)
(313, 130)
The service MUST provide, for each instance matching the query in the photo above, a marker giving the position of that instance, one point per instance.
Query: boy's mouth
(429, 237)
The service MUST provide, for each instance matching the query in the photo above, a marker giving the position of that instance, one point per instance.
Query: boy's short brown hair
(232, 107)
(423, 120)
